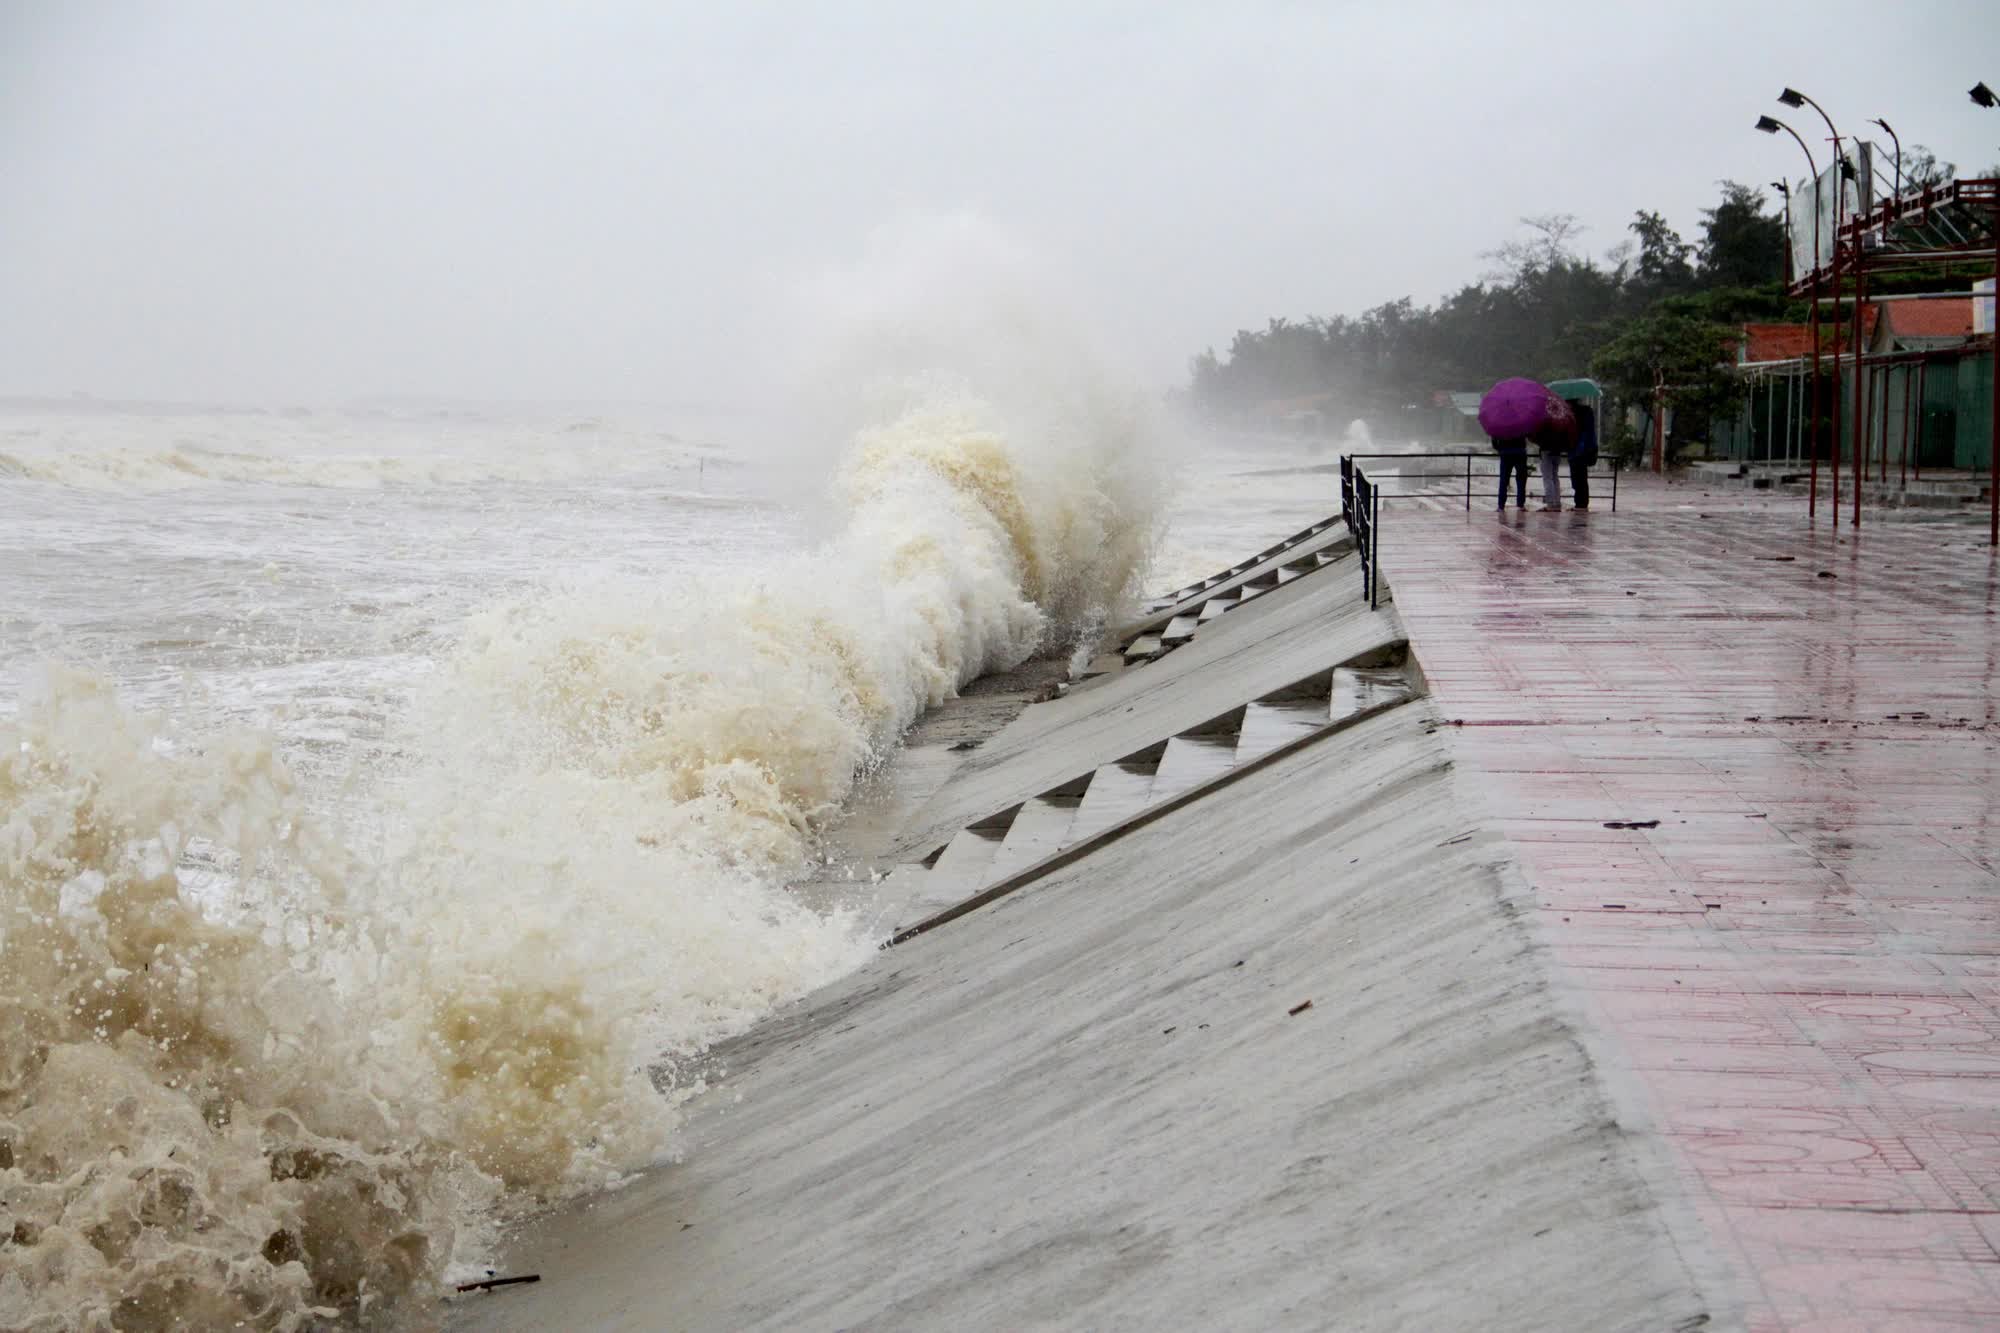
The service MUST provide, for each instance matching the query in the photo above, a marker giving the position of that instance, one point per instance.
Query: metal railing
(1386, 481)
(1361, 505)
(1361, 497)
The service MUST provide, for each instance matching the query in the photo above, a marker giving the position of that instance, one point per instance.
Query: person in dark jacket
(1513, 462)
(1584, 453)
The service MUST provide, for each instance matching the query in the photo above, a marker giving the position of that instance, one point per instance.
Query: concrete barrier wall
(1089, 1105)
(1280, 637)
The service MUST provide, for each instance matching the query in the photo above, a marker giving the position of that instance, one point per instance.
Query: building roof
(1788, 342)
(1775, 342)
(1931, 317)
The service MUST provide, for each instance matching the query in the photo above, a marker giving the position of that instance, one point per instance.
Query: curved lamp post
(1771, 125)
(1983, 95)
(1899, 152)
(1784, 190)
(1793, 97)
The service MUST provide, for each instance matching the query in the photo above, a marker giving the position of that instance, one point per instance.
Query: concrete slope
(1328, 535)
(1308, 625)
(1180, 617)
(1086, 1105)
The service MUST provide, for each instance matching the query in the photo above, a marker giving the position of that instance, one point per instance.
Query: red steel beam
(1860, 384)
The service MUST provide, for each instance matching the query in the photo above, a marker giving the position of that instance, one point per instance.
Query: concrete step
(907, 896)
(1181, 628)
(1166, 600)
(1116, 793)
(1038, 830)
(1217, 605)
(1104, 664)
(1266, 726)
(1190, 761)
(960, 869)
(1144, 646)
(1356, 688)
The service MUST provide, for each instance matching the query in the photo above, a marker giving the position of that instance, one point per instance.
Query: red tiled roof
(1775, 342)
(1783, 342)
(1937, 317)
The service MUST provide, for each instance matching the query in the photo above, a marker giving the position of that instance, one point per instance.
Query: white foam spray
(255, 1068)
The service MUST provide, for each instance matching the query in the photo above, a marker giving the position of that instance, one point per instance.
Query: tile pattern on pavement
(1800, 963)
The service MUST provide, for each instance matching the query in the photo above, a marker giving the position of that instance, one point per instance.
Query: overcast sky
(306, 202)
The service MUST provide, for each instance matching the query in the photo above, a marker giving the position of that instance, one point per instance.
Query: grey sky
(610, 200)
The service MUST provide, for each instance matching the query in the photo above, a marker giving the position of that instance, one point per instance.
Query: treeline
(1657, 308)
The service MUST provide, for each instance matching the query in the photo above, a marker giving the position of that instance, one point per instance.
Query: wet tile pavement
(1799, 964)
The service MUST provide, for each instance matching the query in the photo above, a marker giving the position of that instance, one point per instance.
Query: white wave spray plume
(298, 1085)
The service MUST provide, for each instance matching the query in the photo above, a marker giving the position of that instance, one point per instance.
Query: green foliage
(1741, 244)
(1662, 268)
(1620, 443)
(1545, 311)
(1677, 359)
(1921, 167)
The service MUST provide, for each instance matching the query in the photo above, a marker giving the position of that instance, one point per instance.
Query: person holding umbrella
(1556, 437)
(1513, 453)
(1516, 412)
(1585, 452)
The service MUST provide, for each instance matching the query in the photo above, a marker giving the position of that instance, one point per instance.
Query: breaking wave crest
(243, 450)
(269, 1065)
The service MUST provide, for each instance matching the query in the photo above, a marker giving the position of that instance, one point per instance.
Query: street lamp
(1785, 192)
(1792, 97)
(1983, 95)
(1899, 152)
(1771, 125)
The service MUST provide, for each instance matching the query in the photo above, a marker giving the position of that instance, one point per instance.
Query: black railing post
(1363, 518)
(1468, 482)
(1374, 548)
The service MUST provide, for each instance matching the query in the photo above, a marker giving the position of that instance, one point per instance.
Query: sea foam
(263, 1064)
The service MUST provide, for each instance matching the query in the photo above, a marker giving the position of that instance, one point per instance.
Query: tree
(1673, 360)
(1662, 267)
(1549, 246)
(1741, 245)
(1921, 167)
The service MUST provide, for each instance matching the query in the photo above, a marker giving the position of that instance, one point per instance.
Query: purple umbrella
(1514, 408)
(1559, 429)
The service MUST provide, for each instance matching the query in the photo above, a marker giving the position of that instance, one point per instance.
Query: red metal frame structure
(1954, 224)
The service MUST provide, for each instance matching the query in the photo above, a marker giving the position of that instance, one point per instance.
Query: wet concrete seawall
(1268, 1044)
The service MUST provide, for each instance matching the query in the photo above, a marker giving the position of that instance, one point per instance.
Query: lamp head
(1769, 126)
(1782, 188)
(1983, 95)
(1792, 97)
(1847, 172)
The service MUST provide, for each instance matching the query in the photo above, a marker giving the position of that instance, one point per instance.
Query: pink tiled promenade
(1797, 972)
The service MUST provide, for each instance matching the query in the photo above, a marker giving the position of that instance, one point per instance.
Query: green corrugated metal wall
(1956, 418)
(1762, 431)
(1973, 409)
